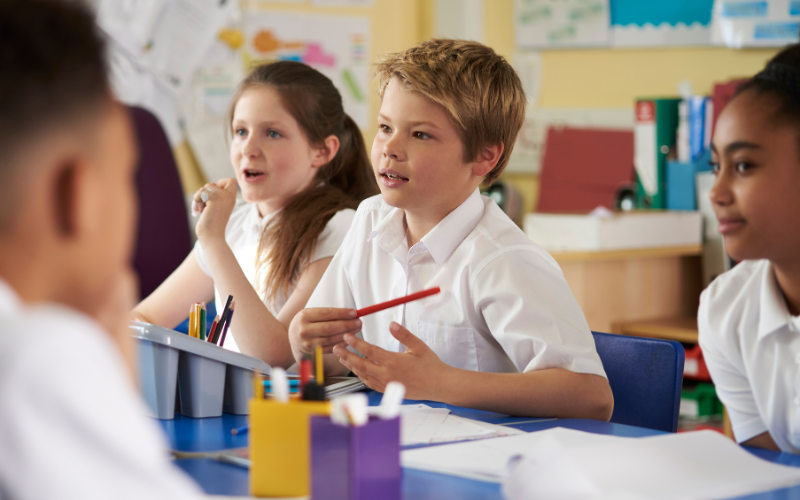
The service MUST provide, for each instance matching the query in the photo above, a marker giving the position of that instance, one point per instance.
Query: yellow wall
(613, 78)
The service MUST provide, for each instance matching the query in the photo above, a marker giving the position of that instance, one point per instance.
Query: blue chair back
(646, 376)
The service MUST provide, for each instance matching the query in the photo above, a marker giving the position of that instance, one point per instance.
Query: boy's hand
(415, 368)
(113, 313)
(325, 326)
(214, 203)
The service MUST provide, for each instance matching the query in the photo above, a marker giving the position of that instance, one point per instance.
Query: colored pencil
(202, 329)
(397, 302)
(191, 321)
(227, 323)
(223, 318)
(320, 367)
(213, 327)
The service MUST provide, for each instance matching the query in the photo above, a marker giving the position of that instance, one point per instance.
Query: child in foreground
(748, 317)
(506, 333)
(72, 424)
(303, 168)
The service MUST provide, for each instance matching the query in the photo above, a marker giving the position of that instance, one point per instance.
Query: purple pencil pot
(355, 462)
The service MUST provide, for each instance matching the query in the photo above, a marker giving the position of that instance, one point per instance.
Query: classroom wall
(613, 78)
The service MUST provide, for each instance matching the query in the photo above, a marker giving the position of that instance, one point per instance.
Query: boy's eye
(714, 166)
(273, 134)
(742, 167)
(421, 135)
(385, 129)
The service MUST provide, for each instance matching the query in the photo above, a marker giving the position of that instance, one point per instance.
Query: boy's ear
(327, 152)
(487, 159)
(68, 189)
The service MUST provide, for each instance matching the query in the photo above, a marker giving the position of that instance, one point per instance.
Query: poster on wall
(637, 23)
(764, 23)
(337, 48)
(561, 23)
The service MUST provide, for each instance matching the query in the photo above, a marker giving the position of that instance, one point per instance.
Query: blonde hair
(478, 89)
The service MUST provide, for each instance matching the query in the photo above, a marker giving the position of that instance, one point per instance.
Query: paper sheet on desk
(562, 463)
(421, 424)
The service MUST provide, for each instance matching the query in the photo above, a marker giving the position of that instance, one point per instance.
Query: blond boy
(505, 334)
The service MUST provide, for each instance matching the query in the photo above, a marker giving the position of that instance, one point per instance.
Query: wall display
(337, 46)
(650, 23)
(561, 23)
(763, 23)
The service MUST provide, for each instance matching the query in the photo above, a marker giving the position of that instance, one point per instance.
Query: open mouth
(394, 177)
(252, 174)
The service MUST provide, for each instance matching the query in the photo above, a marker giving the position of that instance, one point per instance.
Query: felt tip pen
(396, 302)
(293, 382)
(280, 385)
(240, 430)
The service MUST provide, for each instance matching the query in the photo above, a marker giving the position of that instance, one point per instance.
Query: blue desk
(211, 434)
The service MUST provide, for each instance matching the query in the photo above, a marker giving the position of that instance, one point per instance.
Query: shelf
(679, 329)
(642, 253)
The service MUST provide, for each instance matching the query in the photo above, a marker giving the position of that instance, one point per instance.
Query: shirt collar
(443, 239)
(774, 313)
(9, 300)
(253, 223)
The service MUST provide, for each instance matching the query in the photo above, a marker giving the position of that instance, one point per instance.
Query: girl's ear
(323, 155)
(487, 159)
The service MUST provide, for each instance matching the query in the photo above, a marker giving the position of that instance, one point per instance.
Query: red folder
(583, 168)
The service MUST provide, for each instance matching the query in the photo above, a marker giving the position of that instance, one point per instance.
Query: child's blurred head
(756, 156)
(450, 114)
(67, 154)
(290, 131)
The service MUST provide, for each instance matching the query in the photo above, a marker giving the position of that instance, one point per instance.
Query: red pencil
(397, 302)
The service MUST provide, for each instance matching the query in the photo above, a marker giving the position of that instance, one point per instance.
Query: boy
(749, 317)
(505, 334)
(71, 421)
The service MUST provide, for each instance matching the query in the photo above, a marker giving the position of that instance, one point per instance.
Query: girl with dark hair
(303, 168)
(748, 317)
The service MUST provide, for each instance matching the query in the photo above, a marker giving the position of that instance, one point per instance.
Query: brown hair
(478, 88)
(288, 241)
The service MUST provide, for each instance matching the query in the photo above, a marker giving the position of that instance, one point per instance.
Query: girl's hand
(214, 203)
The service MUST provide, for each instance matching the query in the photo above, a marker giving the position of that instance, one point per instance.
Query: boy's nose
(393, 149)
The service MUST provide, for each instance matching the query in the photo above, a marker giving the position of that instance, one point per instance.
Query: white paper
(562, 463)
(181, 38)
(130, 22)
(561, 23)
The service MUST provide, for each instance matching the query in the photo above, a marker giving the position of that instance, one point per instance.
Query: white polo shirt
(504, 306)
(751, 345)
(72, 425)
(243, 235)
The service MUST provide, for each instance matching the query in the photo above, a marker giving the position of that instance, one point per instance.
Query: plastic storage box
(207, 378)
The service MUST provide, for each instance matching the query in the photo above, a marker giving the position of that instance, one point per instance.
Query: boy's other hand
(325, 326)
(113, 315)
(214, 203)
(415, 368)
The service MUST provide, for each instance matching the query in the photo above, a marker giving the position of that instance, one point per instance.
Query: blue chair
(646, 376)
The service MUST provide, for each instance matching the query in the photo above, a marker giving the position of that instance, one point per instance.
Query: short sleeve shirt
(504, 304)
(243, 235)
(72, 425)
(751, 345)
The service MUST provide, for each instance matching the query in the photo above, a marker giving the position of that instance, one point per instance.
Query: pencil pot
(279, 446)
(355, 462)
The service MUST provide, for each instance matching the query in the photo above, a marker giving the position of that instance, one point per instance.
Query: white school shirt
(751, 345)
(504, 305)
(71, 424)
(243, 234)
